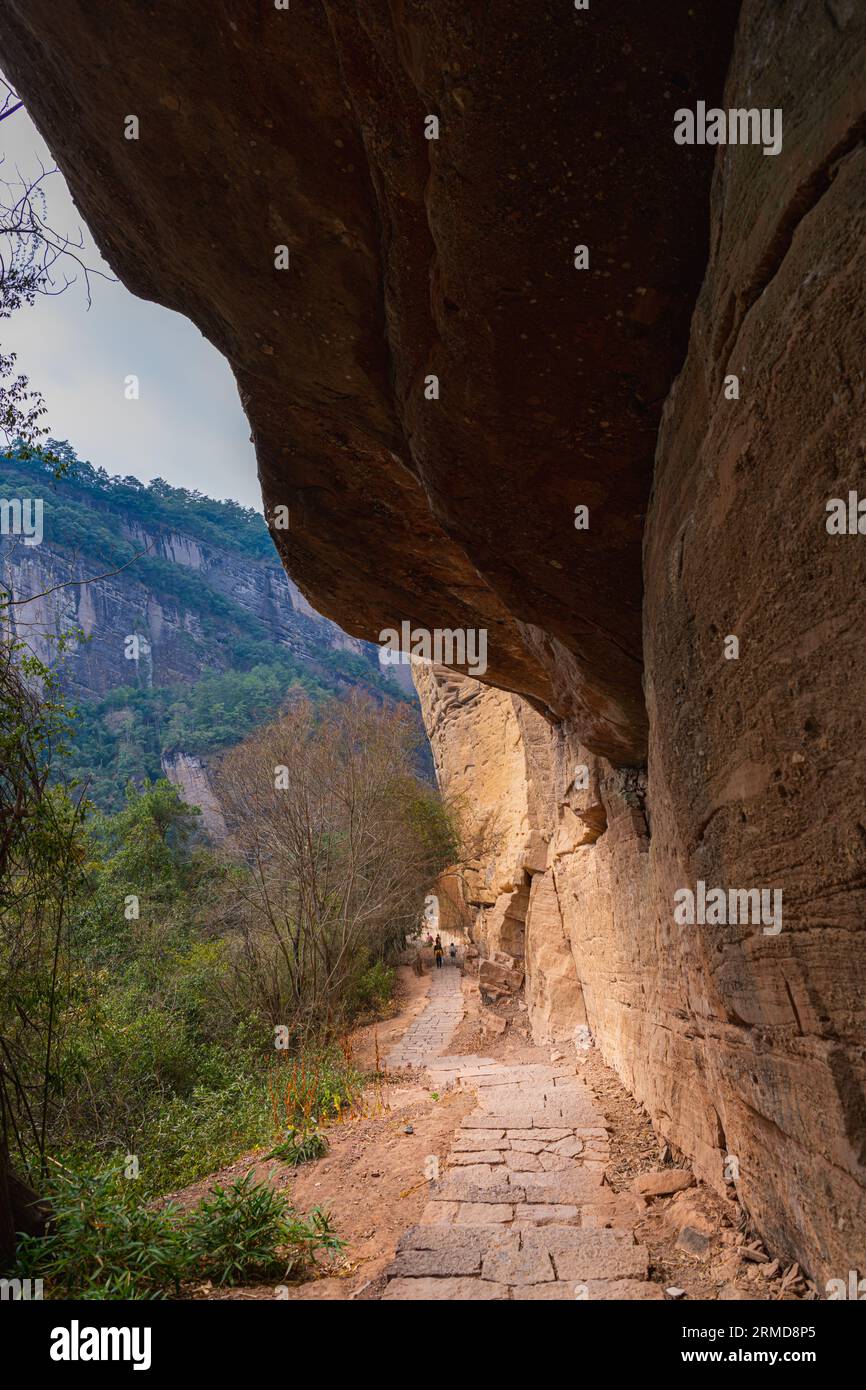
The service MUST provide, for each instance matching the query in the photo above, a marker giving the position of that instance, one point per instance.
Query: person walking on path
(452, 951)
(438, 952)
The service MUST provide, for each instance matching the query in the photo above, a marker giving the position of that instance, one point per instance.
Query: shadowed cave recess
(623, 753)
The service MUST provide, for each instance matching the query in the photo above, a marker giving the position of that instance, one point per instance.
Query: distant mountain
(191, 632)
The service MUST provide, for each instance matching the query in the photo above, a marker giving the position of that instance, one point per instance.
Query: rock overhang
(412, 259)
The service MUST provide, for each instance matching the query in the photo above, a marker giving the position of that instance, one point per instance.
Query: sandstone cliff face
(454, 258)
(192, 779)
(746, 1047)
(701, 1023)
(757, 765)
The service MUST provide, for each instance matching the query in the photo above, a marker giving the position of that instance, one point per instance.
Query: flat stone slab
(464, 1159)
(509, 1263)
(533, 1074)
(583, 1256)
(480, 1173)
(567, 1238)
(584, 1264)
(624, 1290)
(557, 1291)
(455, 1260)
(457, 1188)
(471, 1213)
(436, 1290)
(556, 1163)
(424, 1237)
(555, 1188)
(567, 1113)
(525, 1162)
(567, 1148)
(491, 1139)
(508, 1097)
(439, 1213)
(537, 1214)
(563, 1290)
(464, 1063)
(540, 1136)
(480, 1120)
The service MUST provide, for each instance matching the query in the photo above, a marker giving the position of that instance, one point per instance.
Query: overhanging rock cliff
(746, 1046)
(409, 259)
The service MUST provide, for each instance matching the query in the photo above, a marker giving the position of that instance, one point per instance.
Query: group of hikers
(439, 950)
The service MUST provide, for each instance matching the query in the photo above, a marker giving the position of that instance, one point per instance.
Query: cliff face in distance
(185, 629)
(610, 647)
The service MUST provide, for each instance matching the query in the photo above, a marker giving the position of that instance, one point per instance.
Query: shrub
(317, 1085)
(300, 1146)
(105, 1243)
(373, 989)
(250, 1231)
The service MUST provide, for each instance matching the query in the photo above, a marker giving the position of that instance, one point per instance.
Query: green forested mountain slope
(222, 637)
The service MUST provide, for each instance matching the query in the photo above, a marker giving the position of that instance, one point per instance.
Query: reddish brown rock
(757, 765)
(410, 257)
(663, 1183)
(426, 1290)
(496, 980)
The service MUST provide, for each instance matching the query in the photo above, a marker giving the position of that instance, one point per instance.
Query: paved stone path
(432, 1030)
(520, 1211)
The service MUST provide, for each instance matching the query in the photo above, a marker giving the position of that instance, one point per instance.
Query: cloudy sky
(187, 426)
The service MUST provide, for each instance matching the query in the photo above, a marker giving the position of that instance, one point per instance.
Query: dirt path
(372, 1179)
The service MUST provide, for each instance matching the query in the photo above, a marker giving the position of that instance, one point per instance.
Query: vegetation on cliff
(241, 666)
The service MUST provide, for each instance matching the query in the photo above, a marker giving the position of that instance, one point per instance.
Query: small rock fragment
(693, 1242)
(662, 1184)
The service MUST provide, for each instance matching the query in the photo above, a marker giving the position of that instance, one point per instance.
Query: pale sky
(187, 426)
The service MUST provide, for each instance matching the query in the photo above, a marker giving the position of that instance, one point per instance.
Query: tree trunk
(21, 1209)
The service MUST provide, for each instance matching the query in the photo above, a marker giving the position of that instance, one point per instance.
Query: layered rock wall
(757, 761)
(745, 1045)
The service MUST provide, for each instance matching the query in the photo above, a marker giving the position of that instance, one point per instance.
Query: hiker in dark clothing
(438, 952)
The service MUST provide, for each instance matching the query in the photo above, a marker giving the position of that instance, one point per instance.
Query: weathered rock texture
(746, 1048)
(192, 778)
(454, 258)
(409, 258)
(754, 1044)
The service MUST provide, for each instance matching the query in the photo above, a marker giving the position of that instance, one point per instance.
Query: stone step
(526, 1256)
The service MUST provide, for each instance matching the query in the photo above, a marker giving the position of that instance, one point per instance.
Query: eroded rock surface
(757, 765)
(409, 257)
(697, 1021)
